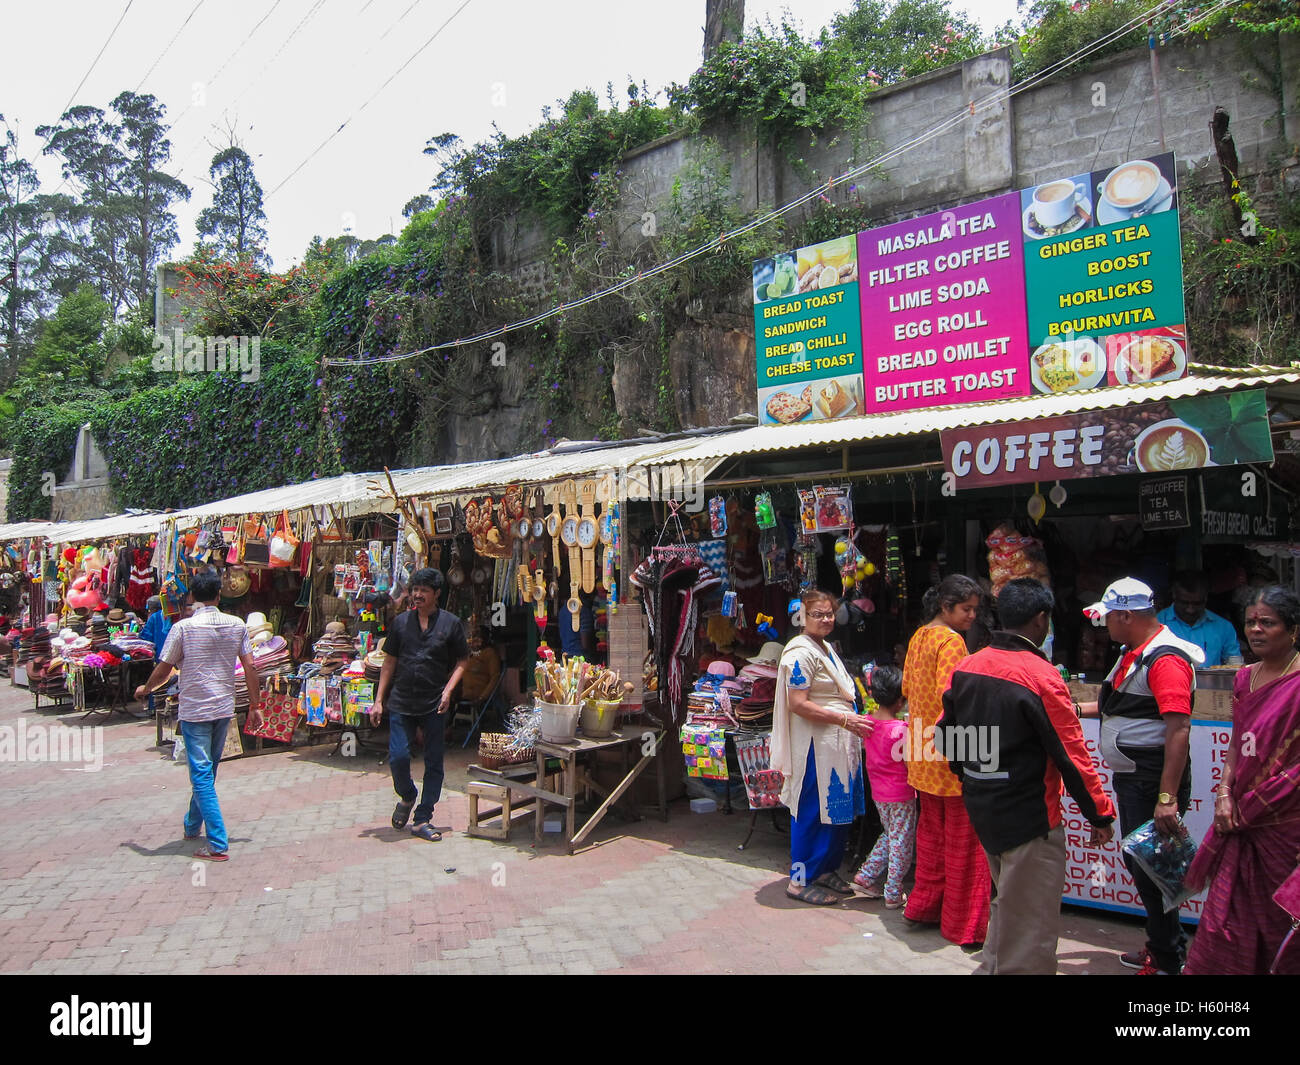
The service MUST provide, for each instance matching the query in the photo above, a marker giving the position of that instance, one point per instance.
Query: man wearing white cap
(1146, 715)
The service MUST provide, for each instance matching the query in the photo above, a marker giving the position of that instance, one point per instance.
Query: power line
(370, 99)
(168, 45)
(252, 81)
(238, 48)
(972, 109)
(98, 57)
(267, 65)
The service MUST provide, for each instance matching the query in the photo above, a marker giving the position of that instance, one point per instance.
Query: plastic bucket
(559, 722)
(599, 717)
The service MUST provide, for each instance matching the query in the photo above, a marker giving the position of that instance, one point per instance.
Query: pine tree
(235, 218)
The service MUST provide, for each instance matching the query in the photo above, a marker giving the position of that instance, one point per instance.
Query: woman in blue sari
(817, 746)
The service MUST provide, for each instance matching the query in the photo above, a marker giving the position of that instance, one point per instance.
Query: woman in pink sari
(1255, 842)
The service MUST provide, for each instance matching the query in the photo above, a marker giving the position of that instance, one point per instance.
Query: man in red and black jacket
(1011, 734)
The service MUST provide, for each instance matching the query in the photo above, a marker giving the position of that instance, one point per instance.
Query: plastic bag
(1165, 859)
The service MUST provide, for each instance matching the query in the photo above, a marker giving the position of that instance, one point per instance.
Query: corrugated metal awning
(68, 532)
(352, 493)
(768, 438)
(622, 460)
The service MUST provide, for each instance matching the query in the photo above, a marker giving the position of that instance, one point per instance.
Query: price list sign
(943, 308)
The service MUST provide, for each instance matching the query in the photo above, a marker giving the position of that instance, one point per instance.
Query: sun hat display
(769, 654)
(235, 582)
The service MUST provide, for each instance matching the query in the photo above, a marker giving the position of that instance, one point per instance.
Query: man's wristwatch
(1165, 799)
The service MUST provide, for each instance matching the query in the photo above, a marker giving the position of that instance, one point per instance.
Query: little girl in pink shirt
(895, 799)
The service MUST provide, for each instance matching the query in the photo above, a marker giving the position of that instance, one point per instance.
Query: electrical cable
(238, 48)
(94, 62)
(168, 45)
(343, 125)
(971, 110)
(180, 172)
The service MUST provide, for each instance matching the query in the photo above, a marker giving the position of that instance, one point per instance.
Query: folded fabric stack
(133, 647)
(754, 712)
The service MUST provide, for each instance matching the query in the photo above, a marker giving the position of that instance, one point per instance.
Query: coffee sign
(1162, 503)
(1164, 438)
(1073, 284)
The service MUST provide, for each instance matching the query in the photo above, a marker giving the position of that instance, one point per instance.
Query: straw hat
(375, 659)
(116, 616)
(769, 654)
(336, 628)
(235, 582)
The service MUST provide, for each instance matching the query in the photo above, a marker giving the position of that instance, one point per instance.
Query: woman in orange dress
(953, 885)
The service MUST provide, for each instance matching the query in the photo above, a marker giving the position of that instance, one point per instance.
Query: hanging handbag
(279, 717)
(257, 546)
(333, 530)
(283, 544)
(1288, 897)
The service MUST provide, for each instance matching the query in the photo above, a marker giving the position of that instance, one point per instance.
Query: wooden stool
(500, 794)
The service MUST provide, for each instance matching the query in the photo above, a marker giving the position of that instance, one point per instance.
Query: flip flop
(426, 831)
(814, 895)
(212, 856)
(834, 882)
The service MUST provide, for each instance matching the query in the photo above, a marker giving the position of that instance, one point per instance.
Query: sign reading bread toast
(1072, 284)
(808, 333)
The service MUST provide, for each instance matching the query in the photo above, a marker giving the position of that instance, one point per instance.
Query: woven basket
(492, 751)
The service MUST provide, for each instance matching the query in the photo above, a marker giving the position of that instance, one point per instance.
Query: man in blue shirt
(1189, 619)
(155, 632)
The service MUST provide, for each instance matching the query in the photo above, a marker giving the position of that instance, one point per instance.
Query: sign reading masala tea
(1162, 438)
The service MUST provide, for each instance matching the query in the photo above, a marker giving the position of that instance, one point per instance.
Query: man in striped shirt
(204, 647)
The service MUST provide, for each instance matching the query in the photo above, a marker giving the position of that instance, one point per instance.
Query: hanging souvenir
(764, 513)
(807, 511)
(717, 517)
(834, 508)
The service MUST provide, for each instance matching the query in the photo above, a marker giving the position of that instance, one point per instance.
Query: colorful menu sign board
(1073, 284)
(808, 333)
(1167, 437)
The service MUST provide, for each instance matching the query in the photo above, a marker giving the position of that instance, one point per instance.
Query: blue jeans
(204, 742)
(401, 742)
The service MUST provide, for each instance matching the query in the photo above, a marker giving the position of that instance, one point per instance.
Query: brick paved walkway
(95, 878)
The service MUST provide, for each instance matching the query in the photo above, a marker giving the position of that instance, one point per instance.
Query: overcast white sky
(288, 73)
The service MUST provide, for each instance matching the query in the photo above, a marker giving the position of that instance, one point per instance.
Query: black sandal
(834, 882)
(426, 831)
(402, 814)
(814, 895)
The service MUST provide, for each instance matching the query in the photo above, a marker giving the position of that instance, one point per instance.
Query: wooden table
(570, 755)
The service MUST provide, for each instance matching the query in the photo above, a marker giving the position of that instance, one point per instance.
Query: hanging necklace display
(609, 559)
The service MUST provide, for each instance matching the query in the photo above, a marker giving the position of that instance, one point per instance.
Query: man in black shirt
(425, 653)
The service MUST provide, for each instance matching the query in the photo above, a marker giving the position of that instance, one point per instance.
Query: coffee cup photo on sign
(1134, 189)
(1058, 206)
